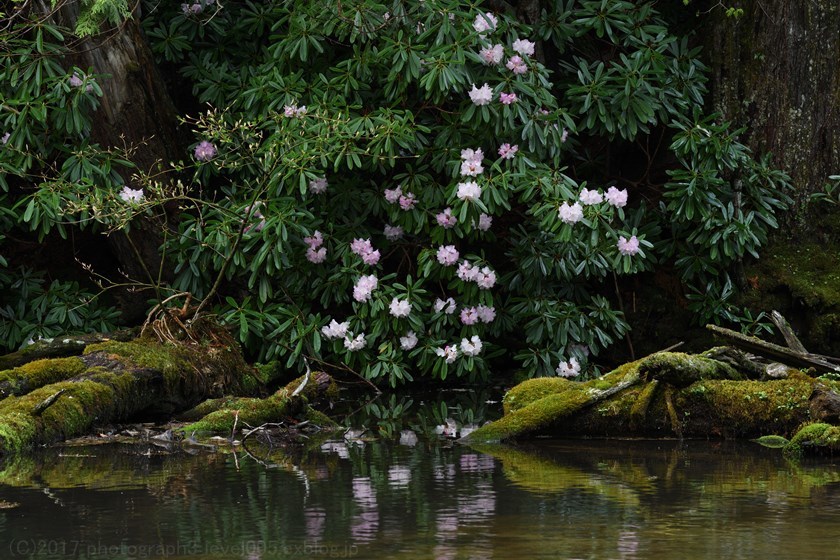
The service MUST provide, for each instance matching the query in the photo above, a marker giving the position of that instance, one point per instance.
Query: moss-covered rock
(25, 378)
(817, 438)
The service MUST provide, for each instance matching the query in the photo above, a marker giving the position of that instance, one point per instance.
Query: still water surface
(435, 500)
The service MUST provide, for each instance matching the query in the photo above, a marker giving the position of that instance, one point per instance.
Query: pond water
(433, 499)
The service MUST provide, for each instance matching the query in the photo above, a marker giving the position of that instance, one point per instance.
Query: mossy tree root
(112, 382)
(222, 415)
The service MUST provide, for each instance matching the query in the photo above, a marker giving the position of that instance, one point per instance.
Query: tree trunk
(774, 71)
(136, 110)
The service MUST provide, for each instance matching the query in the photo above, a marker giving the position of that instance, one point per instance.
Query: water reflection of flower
(474, 462)
(315, 519)
(365, 524)
(399, 476)
(628, 544)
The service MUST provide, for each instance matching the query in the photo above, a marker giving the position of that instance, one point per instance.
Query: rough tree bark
(136, 110)
(774, 70)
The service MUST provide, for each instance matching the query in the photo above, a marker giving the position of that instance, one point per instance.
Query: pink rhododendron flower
(445, 219)
(5, 139)
(482, 95)
(471, 346)
(392, 196)
(486, 314)
(628, 246)
(516, 65)
(75, 80)
(363, 248)
(485, 22)
(467, 272)
(564, 136)
(617, 198)
(205, 151)
(486, 278)
(408, 341)
(484, 222)
(400, 307)
(407, 201)
(492, 55)
(318, 186)
(468, 154)
(316, 256)
(468, 191)
(590, 197)
(507, 98)
(469, 315)
(449, 353)
(447, 255)
(568, 369)
(335, 329)
(355, 344)
(393, 233)
(131, 195)
(570, 214)
(524, 47)
(364, 287)
(294, 110)
(446, 305)
(506, 151)
(471, 168)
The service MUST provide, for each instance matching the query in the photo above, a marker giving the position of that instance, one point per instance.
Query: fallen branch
(787, 356)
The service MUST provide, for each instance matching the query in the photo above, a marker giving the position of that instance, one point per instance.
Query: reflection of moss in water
(107, 466)
(542, 475)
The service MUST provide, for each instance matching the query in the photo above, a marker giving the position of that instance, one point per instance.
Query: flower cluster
(446, 305)
(484, 277)
(393, 233)
(506, 151)
(132, 195)
(492, 55)
(400, 307)
(447, 255)
(446, 219)
(364, 249)
(468, 191)
(408, 341)
(484, 222)
(318, 186)
(335, 329)
(615, 197)
(364, 287)
(205, 151)
(481, 96)
(471, 162)
(471, 346)
(628, 247)
(485, 22)
(507, 98)
(5, 138)
(482, 313)
(568, 369)
(355, 344)
(448, 353)
(293, 110)
(315, 253)
(570, 213)
(196, 7)
(516, 65)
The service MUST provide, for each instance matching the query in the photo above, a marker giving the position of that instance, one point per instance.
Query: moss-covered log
(49, 400)
(221, 415)
(684, 396)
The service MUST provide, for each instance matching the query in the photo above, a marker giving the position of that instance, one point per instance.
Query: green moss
(533, 390)
(39, 373)
(249, 411)
(814, 438)
(681, 370)
(320, 419)
(773, 442)
(171, 360)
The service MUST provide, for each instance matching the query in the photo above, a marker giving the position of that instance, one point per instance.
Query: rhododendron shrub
(404, 189)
